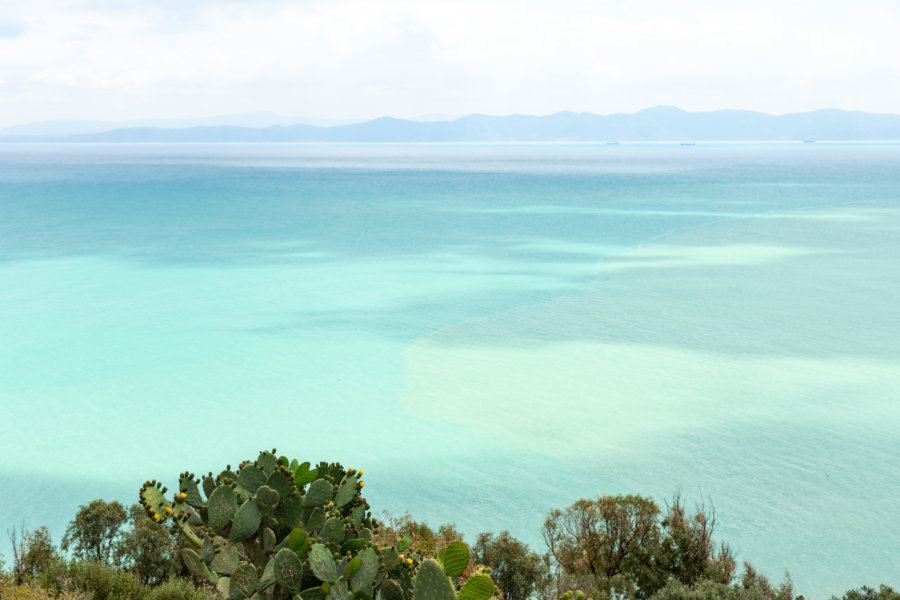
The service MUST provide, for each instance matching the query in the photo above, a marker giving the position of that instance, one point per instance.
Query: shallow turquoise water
(490, 331)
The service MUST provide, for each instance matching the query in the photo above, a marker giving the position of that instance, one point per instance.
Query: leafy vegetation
(274, 529)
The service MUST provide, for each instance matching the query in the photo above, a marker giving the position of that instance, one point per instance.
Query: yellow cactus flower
(361, 472)
(362, 484)
(183, 495)
(156, 516)
(409, 560)
(168, 510)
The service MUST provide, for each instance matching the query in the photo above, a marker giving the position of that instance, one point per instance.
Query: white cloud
(355, 58)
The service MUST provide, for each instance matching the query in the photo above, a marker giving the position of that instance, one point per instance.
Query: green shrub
(708, 590)
(10, 591)
(866, 593)
(176, 588)
(90, 579)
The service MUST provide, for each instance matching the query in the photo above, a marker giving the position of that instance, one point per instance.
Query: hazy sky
(130, 59)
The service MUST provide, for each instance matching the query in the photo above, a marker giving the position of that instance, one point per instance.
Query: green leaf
(403, 544)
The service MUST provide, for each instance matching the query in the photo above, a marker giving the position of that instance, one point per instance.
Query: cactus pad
(251, 477)
(322, 563)
(365, 575)
(221, 507)
(319, 493)
(288, 570)
(267, 499)
(390, 590)
(280, 482)
(316, 520)
(196, 565)
(297, 541)
(432, 583)
(303, 474)
(227, 558)
(455, 558)
(346, 491)
(243, 582)
(477, 587)
(246, 521)
(333, 531)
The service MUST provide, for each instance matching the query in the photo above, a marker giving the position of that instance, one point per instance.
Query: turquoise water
(491, 331)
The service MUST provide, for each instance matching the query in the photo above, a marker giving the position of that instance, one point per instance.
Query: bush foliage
(612, 547)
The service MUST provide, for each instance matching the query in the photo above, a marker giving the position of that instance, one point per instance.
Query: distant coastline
(659, 124)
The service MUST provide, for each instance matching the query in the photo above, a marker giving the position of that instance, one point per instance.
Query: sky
(358, 59)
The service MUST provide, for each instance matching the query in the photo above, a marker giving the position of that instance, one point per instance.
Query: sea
(490, 331)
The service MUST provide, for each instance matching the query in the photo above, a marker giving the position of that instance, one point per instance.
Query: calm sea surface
(490, 331)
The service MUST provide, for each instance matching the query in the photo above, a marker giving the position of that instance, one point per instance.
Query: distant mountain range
(653, 124)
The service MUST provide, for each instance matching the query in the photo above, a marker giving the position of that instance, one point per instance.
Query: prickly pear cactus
(274, 529)
(265, 527)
